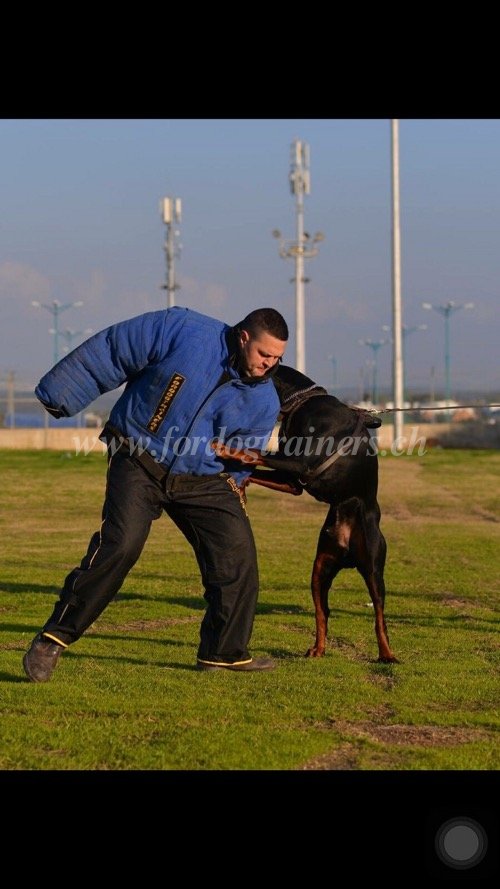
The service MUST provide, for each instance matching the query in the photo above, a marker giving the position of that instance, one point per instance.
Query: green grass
(126, 696)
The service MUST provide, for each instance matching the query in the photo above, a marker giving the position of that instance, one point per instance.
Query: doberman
(325, 448)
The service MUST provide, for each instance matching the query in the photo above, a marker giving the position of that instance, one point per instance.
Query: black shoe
(257, 663)
(41, 659)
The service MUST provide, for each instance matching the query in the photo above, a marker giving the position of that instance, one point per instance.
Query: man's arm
(106, 360)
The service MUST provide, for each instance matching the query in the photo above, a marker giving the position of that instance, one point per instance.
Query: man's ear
(244, 336)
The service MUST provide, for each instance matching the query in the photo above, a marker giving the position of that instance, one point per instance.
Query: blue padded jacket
(174, 403)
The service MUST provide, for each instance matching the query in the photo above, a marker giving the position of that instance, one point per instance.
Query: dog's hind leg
(368, 548)
(330, 553)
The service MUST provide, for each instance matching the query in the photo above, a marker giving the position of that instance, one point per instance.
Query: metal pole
(300, 346)
(374, 345)
(374, 386)
(406, 331)
(55, 309)
(170, 209)
(446, 311)
(169, 250)
(70, 335)
(55, 312)
(397, 368)
(404, 366)
(302, 248)
(447, 376)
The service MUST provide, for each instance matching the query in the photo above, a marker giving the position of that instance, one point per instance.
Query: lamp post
(374, 345)
(397, 317)
(56, 308)
(446, 311)
(302, 248)
(70, 335)
(171, 209)
(406, 331)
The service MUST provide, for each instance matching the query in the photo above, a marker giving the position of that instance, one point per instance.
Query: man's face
(260, 352)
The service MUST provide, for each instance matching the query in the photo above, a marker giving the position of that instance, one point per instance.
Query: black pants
(209, 514)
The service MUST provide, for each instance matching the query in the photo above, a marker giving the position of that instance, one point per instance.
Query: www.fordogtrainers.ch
(295, 446)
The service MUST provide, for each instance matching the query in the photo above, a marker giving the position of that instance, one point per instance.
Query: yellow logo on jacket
(165, 401)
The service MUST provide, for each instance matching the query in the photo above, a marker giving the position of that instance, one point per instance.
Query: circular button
(461, 843)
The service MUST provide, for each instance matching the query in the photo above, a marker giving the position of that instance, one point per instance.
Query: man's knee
(122, 545)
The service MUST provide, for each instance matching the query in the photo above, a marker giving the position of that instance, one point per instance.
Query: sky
(80, 220)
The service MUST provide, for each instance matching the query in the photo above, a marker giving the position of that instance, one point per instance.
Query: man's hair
(267, 320)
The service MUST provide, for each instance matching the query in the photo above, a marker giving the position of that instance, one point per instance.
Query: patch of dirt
(294, 628)
(380, 712)
(409, 735)
(348, 649)
(346, 755)
(399, 511)
(395, 479)
(342, 643)
(143, 624)
(385, 680)
(387, 762)
(13, 646)
(453, 601)
(452, 707)
(343, 759)
(485, 514)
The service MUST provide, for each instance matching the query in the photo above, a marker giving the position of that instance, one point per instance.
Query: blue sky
(79, 220)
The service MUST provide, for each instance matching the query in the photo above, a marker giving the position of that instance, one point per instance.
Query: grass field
(127, 696)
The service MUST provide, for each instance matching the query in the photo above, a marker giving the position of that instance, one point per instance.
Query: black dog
(325, 448)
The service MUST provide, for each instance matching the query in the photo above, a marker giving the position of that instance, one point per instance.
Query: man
(190, 380)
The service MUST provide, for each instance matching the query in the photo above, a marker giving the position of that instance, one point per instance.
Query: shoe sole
(212, 668)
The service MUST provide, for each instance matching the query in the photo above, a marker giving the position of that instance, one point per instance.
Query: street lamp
(448, 309)
(55, 309)
(374, 345)
(303, 247)
(406, 331)
(70, 335)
